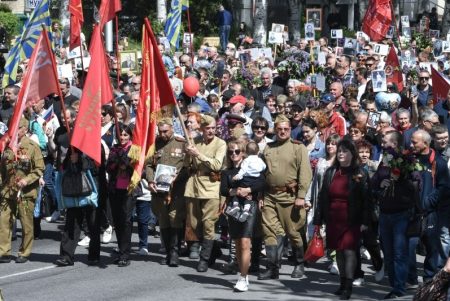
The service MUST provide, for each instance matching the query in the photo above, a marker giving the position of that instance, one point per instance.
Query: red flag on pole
(377, 19)
(76, 22)
(155, 93)
(441, 86)
(392, 69)
(40, 80)
(108, 10)
(97, 92)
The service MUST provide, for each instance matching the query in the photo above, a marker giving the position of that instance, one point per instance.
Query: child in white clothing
(248, 174)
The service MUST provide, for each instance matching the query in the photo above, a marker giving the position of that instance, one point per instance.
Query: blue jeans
(432, 242)
(444, 224)
(49, 178)
(395, 247)
(224, 34)
(412, 261)
(145, 217)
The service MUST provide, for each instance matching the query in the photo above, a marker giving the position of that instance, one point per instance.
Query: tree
(10, 22)
(260, 22)
(294, 20)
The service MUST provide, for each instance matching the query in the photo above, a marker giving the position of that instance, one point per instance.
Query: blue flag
(25, 43)
(173, 22)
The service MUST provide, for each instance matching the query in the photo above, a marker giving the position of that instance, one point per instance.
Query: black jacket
(359, 202)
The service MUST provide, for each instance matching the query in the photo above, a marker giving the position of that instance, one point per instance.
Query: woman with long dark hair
(122, 203)
(343, 207)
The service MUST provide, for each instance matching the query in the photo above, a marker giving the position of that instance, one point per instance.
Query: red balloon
(191, 86)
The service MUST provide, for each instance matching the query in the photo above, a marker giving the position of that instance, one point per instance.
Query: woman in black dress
(240, 232)
(343, 207)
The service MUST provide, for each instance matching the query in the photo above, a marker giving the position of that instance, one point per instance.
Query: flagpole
(82, 63)
(395, 24)
(185, 130)
(113, 100)
(190, 33)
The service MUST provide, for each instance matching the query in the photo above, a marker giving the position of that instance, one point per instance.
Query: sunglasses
(422, 78)
(134, 84)
(104, 114)
(257, 127)
(234, 151)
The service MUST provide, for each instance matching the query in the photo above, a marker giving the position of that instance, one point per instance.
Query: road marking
(29, 272)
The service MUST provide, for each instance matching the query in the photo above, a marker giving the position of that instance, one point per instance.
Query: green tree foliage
(10, 22)
(5, 8)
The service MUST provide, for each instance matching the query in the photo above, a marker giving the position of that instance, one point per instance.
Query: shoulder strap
(433, 166)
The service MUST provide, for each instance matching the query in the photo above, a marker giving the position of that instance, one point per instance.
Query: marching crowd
(269, 160)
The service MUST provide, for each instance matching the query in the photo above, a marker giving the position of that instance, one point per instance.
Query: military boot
(205, 255)
(272, 271)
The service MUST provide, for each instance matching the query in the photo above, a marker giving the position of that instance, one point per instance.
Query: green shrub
(10, 22)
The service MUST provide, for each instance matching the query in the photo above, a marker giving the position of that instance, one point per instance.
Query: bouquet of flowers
(296, 62)
(401, 164)
(248, 76)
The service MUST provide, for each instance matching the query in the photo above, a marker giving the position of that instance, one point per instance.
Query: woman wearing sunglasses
(240, 232)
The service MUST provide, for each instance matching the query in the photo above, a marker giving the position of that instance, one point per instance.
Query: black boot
(194, 250)
(347, 293)
(216, 252)
(165, 235)
(256, 254)
(175, 241)
(205, 255)
(272, 271)
(341, 287)
(280, 250)
(37, 227)
(299, 268)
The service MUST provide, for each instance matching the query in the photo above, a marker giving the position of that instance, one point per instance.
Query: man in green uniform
(20, 175)
(169, 206)
(288, 176)
(205, 160)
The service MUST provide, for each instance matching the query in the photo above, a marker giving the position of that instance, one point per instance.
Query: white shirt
(252, 166)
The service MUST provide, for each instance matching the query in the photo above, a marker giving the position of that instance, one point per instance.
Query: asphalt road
(146, 279)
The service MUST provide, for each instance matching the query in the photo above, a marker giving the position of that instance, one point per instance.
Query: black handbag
(75, 184)
(416, 225)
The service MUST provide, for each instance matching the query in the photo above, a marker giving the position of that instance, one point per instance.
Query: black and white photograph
(373, 120)
(350, 43)
(339, 51)
(381, 49)
(379, 81)
(434, 34)
(405, 21)
(390, 33)
(406, 32)
(164, 176)
(445, 46)
(187, 39)
(309, 32)
(336, 34)
(128, 61)
(409, 57)
(276, 27)
(275, 37)
(314, 16)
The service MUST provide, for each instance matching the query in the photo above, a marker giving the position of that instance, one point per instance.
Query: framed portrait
(314, 16)
(128, 61)
(309, 32)
(374, 119)
(275, 37)
(434, 34)
(276, 27)
(164, 176)
(379, 81)
(337, 34)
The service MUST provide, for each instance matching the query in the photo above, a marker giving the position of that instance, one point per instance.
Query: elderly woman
(240, 232)
(343, 207)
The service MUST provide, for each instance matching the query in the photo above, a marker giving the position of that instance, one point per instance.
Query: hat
(281, 118)
(207, 120)
(234, 118)
(166, 120)
(300, 104)
(24, 122)
(227, 95)
(327, 98)
(238, 99)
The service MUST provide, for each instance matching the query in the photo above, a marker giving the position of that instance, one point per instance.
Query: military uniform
(202, 192)
(28, 165)
(288, 177)
(169, 207)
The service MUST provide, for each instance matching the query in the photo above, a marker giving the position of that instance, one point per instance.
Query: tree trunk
(445, 20)
(260, 22)
(161, 9)
(294, 21)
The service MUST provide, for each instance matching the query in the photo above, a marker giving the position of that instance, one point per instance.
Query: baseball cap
(238, 99)
(327, 98)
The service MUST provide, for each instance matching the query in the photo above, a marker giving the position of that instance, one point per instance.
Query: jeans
(143, 218)
(224, 34)
(432, 242)
(49, 178)
(122, 206)
(412, 261)
(444, 223)
(395, 246)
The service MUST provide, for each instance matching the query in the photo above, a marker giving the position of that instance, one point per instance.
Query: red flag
(377, 19)
(155, 93)
(97, 92)
(392, 69)
(40, 80)
(108, 10)
(440, 86)
(76, 22)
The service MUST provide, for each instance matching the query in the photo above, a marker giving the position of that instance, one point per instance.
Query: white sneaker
(365, 254)
(143, 251)
(241, 284)
(84, 242)
(54, 217)
(107, 235)
(333, 268)
(358, 282)
(380, 274)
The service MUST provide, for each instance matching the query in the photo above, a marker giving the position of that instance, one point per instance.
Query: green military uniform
(169, 206)
(288, 176)
(28, 165)
(203, 192)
